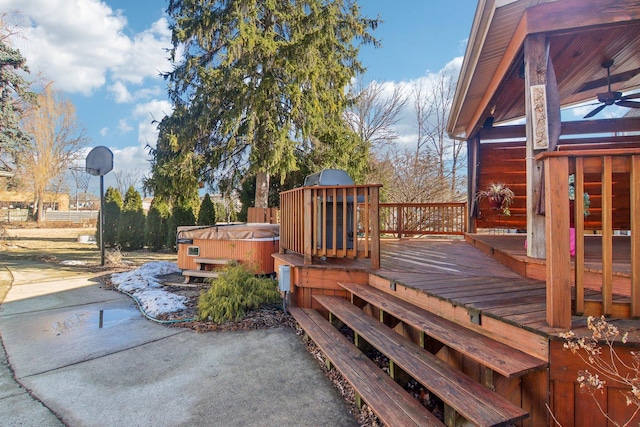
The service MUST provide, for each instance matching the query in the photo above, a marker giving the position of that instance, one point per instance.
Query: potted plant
(499, 196)
(572, 197)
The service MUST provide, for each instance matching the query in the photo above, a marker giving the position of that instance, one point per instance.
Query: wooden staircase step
(213, 261)
(499, 357)
(385, 397)
(188, 274)
(475, 402)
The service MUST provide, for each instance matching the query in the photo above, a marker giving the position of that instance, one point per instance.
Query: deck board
(458, 272)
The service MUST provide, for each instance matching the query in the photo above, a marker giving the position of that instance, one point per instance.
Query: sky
(106, 57)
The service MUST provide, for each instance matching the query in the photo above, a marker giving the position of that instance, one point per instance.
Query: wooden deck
(483, 275)
(464, 276)
(471, 283)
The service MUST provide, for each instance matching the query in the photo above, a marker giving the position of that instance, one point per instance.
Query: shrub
(156, 225)
(180, 215)
(236, 291)
(112, 208)
(131, 224)
(207, 214)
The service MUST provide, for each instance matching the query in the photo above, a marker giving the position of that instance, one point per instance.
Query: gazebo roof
(582, 33)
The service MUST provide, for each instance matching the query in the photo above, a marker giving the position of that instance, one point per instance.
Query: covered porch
(525, 60)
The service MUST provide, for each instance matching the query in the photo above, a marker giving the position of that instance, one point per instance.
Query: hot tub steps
(188, 274)
(206, 268)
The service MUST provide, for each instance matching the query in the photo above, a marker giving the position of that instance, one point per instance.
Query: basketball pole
(101, 220)
(100, 162)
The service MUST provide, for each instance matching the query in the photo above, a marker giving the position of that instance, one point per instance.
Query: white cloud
(81, 44)
(104, 131)
(120, 92)
(149, 114)
(147, 56)
(123, 126)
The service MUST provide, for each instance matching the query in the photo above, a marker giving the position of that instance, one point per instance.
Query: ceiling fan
(611, 98)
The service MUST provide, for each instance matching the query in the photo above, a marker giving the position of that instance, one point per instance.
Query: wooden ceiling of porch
(582, 34)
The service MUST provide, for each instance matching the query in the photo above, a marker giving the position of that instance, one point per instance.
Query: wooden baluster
(310, 206)
(635, 235)
(374, 200)
(607, 236)
(579, 230)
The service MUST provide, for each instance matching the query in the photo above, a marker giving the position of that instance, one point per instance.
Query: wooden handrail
(331, 222)
(402, 219)
(558, 164)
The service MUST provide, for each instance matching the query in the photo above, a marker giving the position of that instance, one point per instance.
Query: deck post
(635, 236)
(557, 242)
(308, 227)
(375, 227)
(535, 52)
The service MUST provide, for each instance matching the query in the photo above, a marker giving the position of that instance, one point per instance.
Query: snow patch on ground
(73, 262)
(143, 283)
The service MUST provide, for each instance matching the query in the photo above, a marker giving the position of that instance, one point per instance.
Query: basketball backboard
(99, 161)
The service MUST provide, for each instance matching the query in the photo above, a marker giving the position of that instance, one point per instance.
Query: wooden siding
(573, 406)
(253, 252)
(505, 162)
(263, 215)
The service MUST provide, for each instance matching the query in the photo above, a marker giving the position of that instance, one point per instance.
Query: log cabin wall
(505, 162)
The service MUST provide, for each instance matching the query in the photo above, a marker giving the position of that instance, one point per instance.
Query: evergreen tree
(180, 215)
(112, 208)
(14, 94)
(207, 214)
(221, 211)
(156, 224)
(131, 225)
(258, 81)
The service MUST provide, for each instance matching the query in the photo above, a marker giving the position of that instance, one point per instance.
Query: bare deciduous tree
(126, 178)
(55, 142)
(408, 178)
(432, 104)
(374, 113)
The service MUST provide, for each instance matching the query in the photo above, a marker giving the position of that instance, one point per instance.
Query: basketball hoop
(99, 162)
(81, 177)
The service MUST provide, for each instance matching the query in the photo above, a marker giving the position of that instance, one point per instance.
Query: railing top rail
(589, 153)
(445, 204)
(330, 187)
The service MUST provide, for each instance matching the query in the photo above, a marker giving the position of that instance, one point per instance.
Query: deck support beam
(535, 63)
(557, 243)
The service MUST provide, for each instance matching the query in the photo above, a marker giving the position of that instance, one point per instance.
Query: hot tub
(250, 244)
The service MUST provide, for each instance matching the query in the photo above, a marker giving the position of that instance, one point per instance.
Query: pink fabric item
(572, 241)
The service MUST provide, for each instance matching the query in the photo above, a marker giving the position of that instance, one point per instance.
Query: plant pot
(496, 202)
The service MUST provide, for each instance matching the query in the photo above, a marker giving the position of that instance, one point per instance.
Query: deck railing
(331, 222)
(613, 165)
(412, 219)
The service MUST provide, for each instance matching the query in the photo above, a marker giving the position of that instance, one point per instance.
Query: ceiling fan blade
(615, 78)
(628, 104)
(631, 96)
(595, 111)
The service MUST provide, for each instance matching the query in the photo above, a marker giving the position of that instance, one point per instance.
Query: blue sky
(106, 56)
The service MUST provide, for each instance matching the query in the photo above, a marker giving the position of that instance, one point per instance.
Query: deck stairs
(206, 268)
(381, 321)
